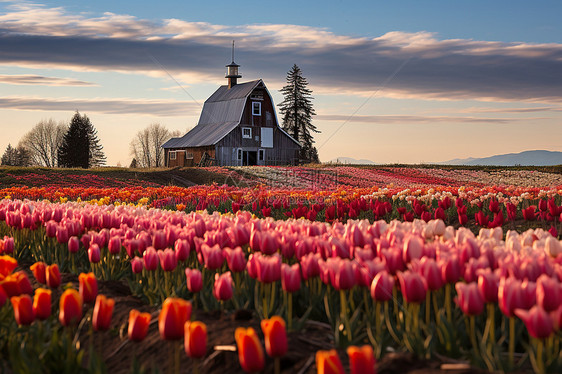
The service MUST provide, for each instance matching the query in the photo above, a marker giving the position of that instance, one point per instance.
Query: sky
(393, 82)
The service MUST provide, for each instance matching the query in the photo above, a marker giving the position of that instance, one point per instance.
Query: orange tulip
(38, 270)
(23, 309)
(328, 362)
(275, 336)
(173, 316)
(361, 359)
(101, 318)
(7, 265)
(88, 287)
(53, 276)
(250, 351)
(138, 325)
(195, 339)
(70, 306)
(42, 303)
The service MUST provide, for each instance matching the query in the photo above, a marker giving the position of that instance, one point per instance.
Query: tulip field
(332, 269)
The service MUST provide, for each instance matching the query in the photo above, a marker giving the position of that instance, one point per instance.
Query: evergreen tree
(19, 156)
(9, 156)
(80, 146)
(297, 111)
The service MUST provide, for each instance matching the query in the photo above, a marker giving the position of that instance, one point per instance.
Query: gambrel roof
(221, 113)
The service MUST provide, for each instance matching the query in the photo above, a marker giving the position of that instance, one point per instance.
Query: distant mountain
(527, 158)
(352, 161)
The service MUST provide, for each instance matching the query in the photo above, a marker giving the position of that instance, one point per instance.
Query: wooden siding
(181, 156)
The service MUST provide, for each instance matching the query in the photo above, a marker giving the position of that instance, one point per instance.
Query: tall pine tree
(297, 111)
(81, 146)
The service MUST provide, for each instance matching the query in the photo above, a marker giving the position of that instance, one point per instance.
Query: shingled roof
(221, 113)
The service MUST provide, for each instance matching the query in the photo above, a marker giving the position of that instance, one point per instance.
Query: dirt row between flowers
(155, 354)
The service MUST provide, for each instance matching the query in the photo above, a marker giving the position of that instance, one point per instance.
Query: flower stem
(511, 346)
(277, 365)
(343, 315)
(290, 310)
(540, 363)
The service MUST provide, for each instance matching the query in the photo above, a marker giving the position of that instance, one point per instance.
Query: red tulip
(174, 314)
(137, 264)
(70, 307)
(168, 260)
(138, 325)
(548, 293)
(328, 362)
(62, 234)
(114, 245)
(361, 359)
(52, 275)
(195, 334)
(194, 280)
(73, 244)
(382, 285)
(8, 245)
(469, 299)
(537, 320)
(103, 309)
(275, 336)
(413, 286)
(42, 303)
(222, 289)
(250, 351)
(529, 213)
(290, 277)
(269, 243)
(7, 265)
(94, 254)
(23, 309)
(88, 287)
(3, 297)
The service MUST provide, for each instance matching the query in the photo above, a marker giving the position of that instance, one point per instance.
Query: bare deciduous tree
(43, 141)
(146, 146)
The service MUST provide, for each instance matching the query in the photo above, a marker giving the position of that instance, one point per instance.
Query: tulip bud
(250, 351)
(42, 303)
(538, 322)
(168, 260)
(381, 287)
(114, 245)
(222, 289)
(275, 336)
(150, 259)
(361, 359)
(413, 286)
(88, 287)
(73, 244)
(469, 299)
(137, 265)
(195, 339)
(52, 274)
(328, 362)
(103, 309)
(94, 254)
(290, 277)
(173, 316)
(138, 325)
(70, 307)
(194, 280)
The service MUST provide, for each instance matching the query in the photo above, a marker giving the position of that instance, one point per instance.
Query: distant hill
(526, 158)
(351, 161)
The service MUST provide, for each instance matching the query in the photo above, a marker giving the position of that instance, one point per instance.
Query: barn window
(172, 155)
(247, 132)
(261, 154)
(239, 156)
(189, 155)
(256, 108)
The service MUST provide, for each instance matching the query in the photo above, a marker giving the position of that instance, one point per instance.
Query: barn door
(266, 137)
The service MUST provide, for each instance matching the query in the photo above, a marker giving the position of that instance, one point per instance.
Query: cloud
(165, 108)
(451, 69)
(510, 110)
(42, 80)
(387, 119)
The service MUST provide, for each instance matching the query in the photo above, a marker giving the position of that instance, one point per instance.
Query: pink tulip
(150, 258)
(62, 234)
(159, 240)
(381, 287)
(548, 293)
(413, 248)
(394, 261)
(290, 277)
(235, 259)
(168, 261)
(137, 265)
(488, 283)
(51, 229)
(344, 274)
(269, 243)
(182, 249)
(413, 286)
(309, 266)
(94, 254)
(73, 244)
(509, 296)
(450, 269)
(213, 257)
(194, 280)
(268, 267)
(537, 320)
(222, 289)
(432, 274)
(114, 245)
(469, 299)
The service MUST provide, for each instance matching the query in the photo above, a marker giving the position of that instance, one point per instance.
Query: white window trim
(189, 155)
(239, 154)
(249, 136)
(172, 155)
(259, 108)
(261, 155)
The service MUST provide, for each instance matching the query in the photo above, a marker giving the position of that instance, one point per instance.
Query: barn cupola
(232, 71)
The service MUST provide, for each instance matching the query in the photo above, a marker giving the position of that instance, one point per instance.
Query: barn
(237, 127)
